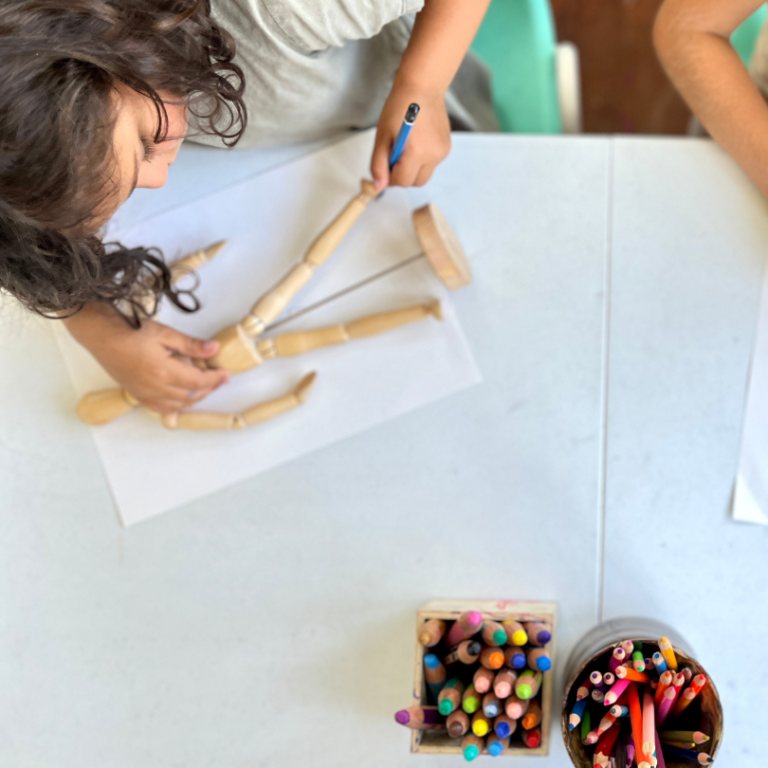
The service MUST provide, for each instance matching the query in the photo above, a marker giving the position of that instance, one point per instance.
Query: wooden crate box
(439, 742)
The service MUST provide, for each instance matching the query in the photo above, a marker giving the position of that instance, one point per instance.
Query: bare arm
(692, 40)
(441, 37)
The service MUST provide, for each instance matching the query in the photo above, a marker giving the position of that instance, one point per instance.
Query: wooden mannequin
(239, 351)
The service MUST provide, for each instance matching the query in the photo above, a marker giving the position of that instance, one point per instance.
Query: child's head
(94, 98)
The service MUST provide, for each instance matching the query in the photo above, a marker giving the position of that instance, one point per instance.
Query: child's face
(141, 162)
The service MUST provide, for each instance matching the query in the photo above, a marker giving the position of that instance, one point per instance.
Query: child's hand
(427, 146)
(143, 361)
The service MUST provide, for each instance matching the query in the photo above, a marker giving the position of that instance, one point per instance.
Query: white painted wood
(273, 623)
(689, 238)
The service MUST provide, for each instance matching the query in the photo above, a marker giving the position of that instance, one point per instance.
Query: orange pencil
(472, 746)
(493, 633)
(431, 632)
(607, 721)
(636, 720)
(624, 672)
(457, 723)
(504, 683)
(532, 738)
(532, 717)
(664, 682)
(516, 634)
(483, 679)
(481, 723)
(492, 658)
(515, 707)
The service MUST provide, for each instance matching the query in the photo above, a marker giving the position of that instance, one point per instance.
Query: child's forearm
(692, 39)
(440, 39)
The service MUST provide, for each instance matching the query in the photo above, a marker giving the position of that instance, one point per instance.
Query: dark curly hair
(61, 63)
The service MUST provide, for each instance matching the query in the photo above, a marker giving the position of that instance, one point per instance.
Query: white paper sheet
(270, 221)
(750, 496)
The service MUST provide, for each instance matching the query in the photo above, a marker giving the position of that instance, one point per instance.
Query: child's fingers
(194, 380)
(424, 175)
(187, 345)
(405, 171)
(380, 160)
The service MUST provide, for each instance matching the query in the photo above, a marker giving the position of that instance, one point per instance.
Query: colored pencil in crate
(591, 738)
(659, 662)
(504, 683)
(659, 753)
(698, 683)
(431, 632)
(472, 746)
(532, 717)
(615, 691)
(466, 652)
(623, 672)
(493, 633)
(649, 665)
(638, 662)
(609, 679)
(669, 655)
(539, 632)
(457, 723)
(492, 657)
(497, 746)
(491, 705)
(516, 634)
(586, 726)
(422, 718)
(538, 658)
(515, 707)
(702, 758)
(678, 681)
(467, 625)
(483, 679)
(514, 657)
(664, 682)
(470, 700)
(450, 696)
(532, 738)
(617, 658)
(649, 723)
(481, 723)
(635, 718)
(528, 684)
(687, 673)
(681, 744)
(434, 673)
(697, 737)
(667, 700)
(577, 713)
(619, 710)
(504, 726)
(596, 678)
(598, 695)
(583, 690)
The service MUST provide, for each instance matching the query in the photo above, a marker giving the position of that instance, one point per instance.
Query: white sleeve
(314, 25)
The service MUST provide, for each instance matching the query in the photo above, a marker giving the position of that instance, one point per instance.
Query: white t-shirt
(314, 68)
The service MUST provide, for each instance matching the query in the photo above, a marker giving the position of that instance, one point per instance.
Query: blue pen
(402, 136)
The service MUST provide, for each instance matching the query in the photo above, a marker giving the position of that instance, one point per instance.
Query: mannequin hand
(144, 361)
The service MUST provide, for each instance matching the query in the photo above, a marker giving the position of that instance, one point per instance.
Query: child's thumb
(380, 162)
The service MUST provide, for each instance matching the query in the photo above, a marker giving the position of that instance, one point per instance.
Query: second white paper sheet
(270, 221)
(750, 496)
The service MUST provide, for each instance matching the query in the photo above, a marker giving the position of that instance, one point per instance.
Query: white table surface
(273, 624)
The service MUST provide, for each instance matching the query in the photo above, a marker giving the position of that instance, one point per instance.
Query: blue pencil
(402, 136)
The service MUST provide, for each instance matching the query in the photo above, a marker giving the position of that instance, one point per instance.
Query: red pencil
(607, 740)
